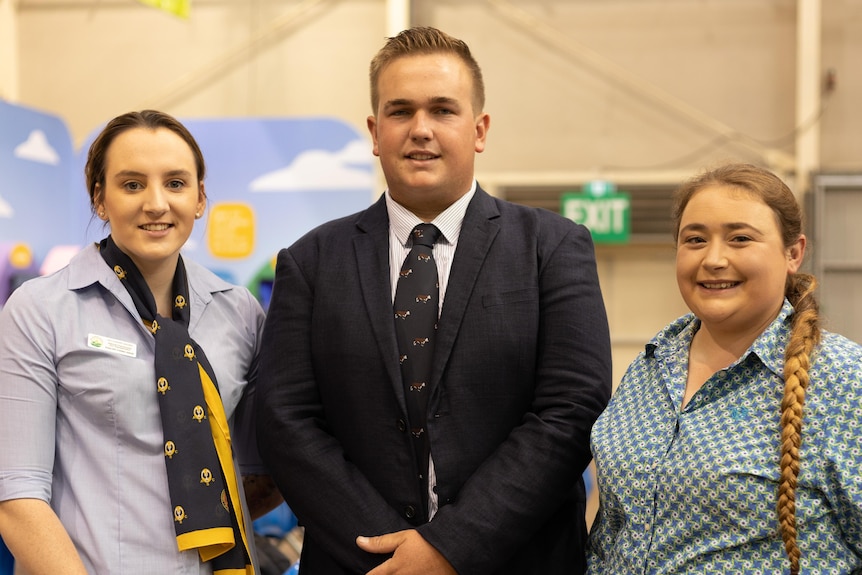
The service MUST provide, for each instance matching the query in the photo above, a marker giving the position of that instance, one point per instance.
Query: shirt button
(402, 426)
(409, 512)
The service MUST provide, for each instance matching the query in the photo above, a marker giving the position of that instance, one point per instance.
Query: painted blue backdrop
(269, 180)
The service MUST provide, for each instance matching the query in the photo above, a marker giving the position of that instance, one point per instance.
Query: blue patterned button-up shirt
(694, 490)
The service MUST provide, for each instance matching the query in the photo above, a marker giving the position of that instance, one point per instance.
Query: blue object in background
(268, 182)
(277, 523)
(7, 562)
(589, 482)
(36, 198)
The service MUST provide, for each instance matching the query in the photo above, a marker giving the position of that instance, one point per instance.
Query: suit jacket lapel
(477, 234)
(371, 247)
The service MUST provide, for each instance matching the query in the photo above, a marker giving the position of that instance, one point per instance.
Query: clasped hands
(411, 554)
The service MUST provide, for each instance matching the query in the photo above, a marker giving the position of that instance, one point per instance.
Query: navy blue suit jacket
(522, 369)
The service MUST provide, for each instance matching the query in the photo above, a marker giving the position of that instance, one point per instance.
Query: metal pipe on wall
(8, 50)
(809, 90)
(398, 16)
(544, 32)
(218, 67)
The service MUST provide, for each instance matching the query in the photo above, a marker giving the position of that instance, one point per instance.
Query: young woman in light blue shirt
(122, 377)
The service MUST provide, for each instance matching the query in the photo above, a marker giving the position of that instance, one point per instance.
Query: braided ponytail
(805, 326)
(804, 337)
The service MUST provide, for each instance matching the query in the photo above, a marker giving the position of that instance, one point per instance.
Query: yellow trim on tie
(221, 438)
(211, 542)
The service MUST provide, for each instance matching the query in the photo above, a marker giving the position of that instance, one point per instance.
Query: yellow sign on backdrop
(20, 256)
(231, 230)
(179, 8)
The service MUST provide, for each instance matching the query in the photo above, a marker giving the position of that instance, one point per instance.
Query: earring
(197, 215)
(102, 214)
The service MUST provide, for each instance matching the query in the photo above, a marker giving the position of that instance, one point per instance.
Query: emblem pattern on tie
(415, 311)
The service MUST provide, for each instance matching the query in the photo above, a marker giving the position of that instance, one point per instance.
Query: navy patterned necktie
(199, 462)
(416, 309)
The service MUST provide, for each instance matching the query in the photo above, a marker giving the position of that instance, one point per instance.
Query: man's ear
(371, 121)
(483, 124)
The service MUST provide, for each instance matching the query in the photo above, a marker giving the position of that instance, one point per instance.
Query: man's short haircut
(426, 40)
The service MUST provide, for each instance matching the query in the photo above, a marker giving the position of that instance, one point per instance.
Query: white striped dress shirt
(401, 223)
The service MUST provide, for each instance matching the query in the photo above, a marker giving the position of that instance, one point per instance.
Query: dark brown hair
(425, 40)
(94, 170)
(805, 327)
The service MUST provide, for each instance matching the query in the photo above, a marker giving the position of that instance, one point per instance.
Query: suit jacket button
(409, 512)
(402, 426)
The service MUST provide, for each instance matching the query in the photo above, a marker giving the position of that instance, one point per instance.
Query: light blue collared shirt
(79, 413)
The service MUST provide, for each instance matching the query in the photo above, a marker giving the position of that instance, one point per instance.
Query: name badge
(113, 345)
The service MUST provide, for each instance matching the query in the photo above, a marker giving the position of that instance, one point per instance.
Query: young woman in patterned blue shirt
(734, 442)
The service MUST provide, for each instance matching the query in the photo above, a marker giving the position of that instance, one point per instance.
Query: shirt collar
(771, 344)
(90, 268)
(402, 221)
(768, 347)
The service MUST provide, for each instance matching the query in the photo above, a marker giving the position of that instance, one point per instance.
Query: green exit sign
(607, 216)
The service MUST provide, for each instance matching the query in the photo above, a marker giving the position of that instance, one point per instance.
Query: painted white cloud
(6, 210)
(346, 169)
(37, 149)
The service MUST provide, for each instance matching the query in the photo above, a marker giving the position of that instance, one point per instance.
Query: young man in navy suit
(521, 362)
